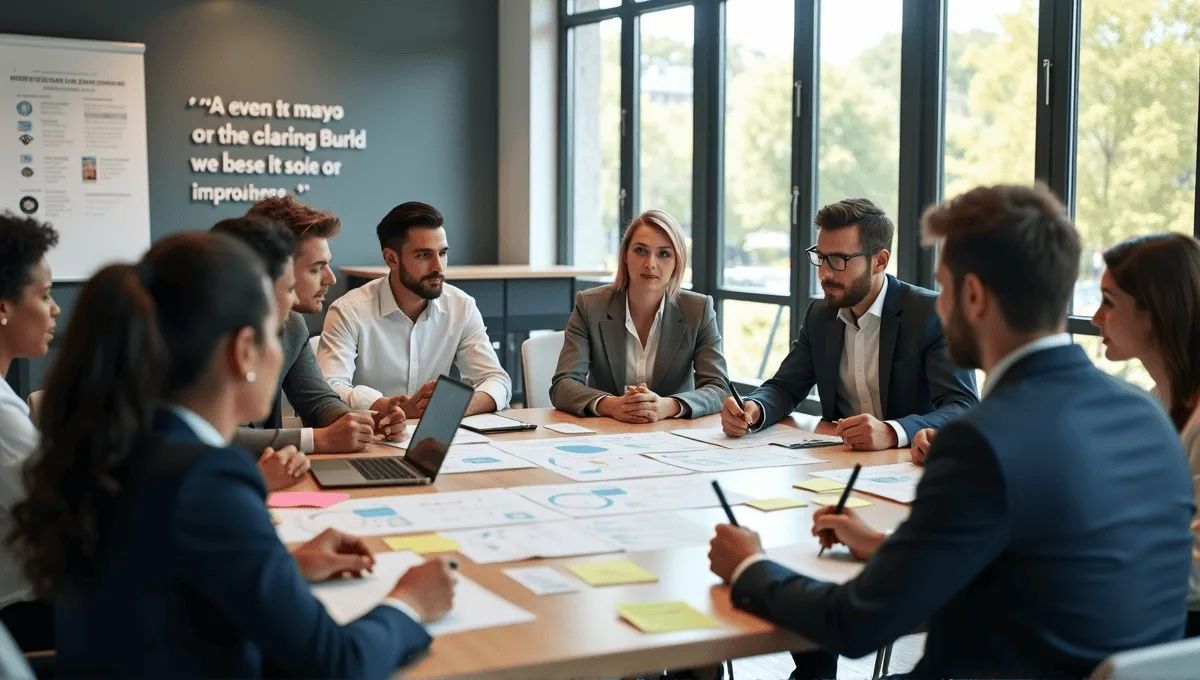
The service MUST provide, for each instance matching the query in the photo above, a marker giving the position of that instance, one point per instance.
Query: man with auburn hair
(329, 424)
(1050, 529)
(873, 345)
(386, 343)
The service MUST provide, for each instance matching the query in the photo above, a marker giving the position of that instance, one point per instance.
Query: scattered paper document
(480, 458)
(603, 467)
(527, 541)
(897, 481)
(723, 460)
(655, 531)
(543, 580)
(616, 573)
(492, 421)
(833, 498)
(305, 499)
(664, 617)
(631, 443)
(769, 504)
(425, 543)
(592, 499)
(475, 607)
(568, 428)
(777, 434)
(835, 566)
(461, 436)
(819, 485)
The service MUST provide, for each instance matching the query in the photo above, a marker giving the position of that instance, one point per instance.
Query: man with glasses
(873, 347)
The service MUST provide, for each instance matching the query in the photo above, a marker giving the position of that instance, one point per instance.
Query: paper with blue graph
(593, 499)
(601, 445)
(722, 460)
(897, 482)
(480, 458)
(583, 468)
(414, 514)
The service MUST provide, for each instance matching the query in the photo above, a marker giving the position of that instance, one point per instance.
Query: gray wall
(419, 75)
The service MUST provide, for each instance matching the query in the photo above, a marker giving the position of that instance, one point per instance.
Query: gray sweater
(301, 380)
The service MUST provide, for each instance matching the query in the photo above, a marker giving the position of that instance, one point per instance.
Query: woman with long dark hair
(1150, 311)
(147, 529)
(27, 321)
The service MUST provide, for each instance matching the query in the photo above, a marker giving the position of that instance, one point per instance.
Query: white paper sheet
(480, 458)
(484, 421)
(416, 513)
(603, 467)
(897, 481)
(775, 433)
(653, 531)
(592, 499)
(722, 460)
(835, 566)
(568, 428)
(601, 445)
(461, 437)
(543, 580)
(527, 541)
(474, 608)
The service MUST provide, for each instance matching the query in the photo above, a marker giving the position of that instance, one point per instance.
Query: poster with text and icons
(73, 147)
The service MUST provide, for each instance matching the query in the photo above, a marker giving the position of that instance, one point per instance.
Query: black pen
(737, 397)
(845, 494)
(724, 503)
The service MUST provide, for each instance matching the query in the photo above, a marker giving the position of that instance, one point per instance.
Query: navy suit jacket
(193, 582)
(919, 386)
(1050, 530)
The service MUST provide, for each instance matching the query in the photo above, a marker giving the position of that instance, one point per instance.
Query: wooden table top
(580, 634)
(482, 272)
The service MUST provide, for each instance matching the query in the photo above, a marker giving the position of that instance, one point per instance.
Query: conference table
(580, 635)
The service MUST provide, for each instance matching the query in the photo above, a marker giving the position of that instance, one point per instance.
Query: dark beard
(856, 293)
(429, 288)
(961, 342)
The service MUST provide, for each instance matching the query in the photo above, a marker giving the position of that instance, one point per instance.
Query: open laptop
(426, 450)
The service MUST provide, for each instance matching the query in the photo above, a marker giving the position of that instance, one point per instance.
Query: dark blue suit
(919, 386)
(1050, 530)
(193, 582)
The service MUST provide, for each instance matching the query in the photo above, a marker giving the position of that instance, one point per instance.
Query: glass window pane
(667, 40)
(755, 338)
(577, 6)
(991, 93)
(1136, 162)
(860, 104)
(1133, 371)
(595, 139)
(756, 253)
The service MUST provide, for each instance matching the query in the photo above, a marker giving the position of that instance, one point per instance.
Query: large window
(743, 117)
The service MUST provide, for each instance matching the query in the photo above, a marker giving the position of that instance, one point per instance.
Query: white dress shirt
(210, 436)
(640, 359)
(858, 375)
(18, 439)
(370, 349)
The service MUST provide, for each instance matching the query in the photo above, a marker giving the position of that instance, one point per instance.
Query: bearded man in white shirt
(386, 343)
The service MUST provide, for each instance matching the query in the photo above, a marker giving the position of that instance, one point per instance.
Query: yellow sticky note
(819, 485)
(664, 617)
(832, 499)
(768, 504)
(425, 543)
(612, 573)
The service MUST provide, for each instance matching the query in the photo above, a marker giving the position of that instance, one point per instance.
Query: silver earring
(251, 377)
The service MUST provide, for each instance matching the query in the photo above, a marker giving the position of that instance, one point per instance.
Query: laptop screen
(436, 430)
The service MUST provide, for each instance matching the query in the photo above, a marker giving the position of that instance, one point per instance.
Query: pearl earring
(3, 322)
(251, 377)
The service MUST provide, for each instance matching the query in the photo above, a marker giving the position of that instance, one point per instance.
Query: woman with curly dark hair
(27, 319)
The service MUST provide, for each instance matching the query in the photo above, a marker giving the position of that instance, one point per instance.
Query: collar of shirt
(629, 325)
(1010, 359)
(387, 301)
(204, 430)
(875, 310)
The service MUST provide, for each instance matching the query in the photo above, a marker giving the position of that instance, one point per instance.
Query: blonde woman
(640, 350)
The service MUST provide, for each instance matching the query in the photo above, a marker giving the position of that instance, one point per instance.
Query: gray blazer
(301, 380)
(592, 363)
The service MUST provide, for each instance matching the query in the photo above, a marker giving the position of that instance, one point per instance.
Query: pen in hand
(724, 504)
(841, 505)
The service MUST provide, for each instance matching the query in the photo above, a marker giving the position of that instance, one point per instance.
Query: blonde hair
(667, 225)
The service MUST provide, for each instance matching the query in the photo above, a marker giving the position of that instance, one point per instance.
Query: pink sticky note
(305, 499)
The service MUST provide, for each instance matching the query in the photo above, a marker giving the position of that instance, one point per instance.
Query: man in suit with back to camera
(873, 346)
(1050, 529)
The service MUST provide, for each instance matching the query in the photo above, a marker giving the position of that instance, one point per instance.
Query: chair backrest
(1168, 661)
(12, 661)
(35, 404)
(539, 358)
(313, 342)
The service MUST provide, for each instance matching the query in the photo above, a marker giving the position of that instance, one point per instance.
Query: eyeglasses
(837, 262)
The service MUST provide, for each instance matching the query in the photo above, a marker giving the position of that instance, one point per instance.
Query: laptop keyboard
(376, 469)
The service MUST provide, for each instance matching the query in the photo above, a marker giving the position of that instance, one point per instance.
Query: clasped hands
(639, 405)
